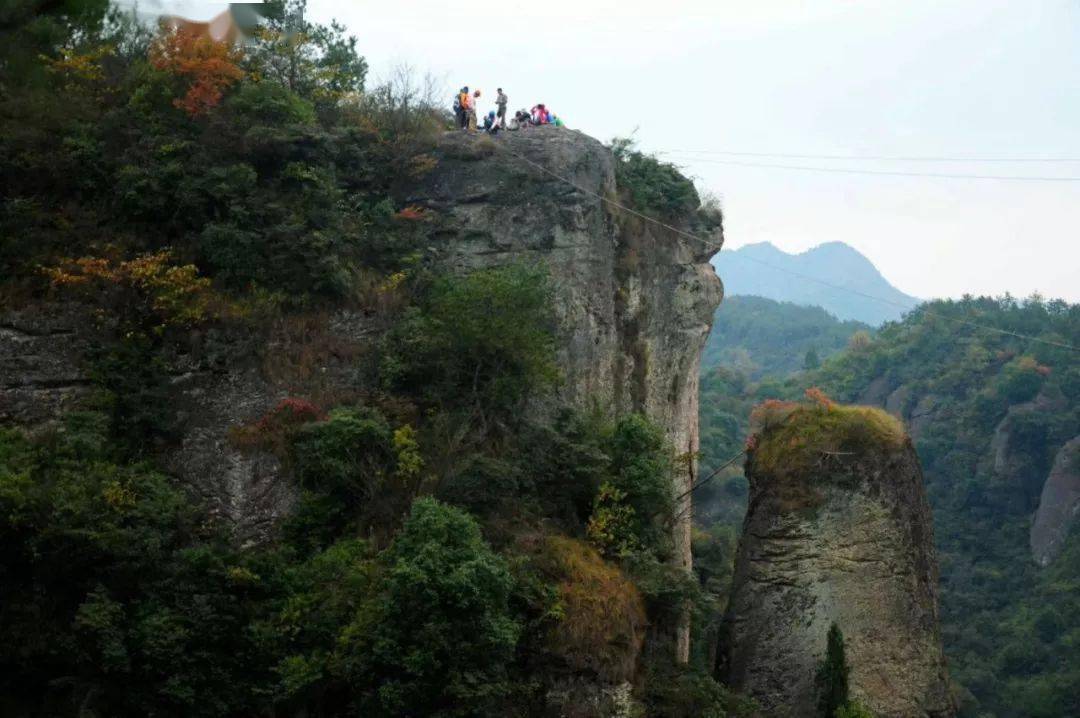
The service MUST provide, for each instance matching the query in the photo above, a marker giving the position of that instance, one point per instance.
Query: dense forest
(761, 337)
(1010, 627)
(450, 554)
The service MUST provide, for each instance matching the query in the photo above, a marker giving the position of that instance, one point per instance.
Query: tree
(811, 360)
(832, 675)
(209, 66)
(484, 341)
(441, 635)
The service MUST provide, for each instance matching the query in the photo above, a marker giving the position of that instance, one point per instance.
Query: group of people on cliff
(466, 109)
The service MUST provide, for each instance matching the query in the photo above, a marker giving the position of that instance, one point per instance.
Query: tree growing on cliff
(832, 675)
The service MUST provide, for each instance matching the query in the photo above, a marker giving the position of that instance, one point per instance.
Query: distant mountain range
(765, 271)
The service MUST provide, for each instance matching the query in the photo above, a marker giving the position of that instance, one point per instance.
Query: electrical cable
(873, 158)
(889, 173)
(714, 245)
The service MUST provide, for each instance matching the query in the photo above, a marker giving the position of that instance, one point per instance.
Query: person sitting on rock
(490, 123)
(539, 115)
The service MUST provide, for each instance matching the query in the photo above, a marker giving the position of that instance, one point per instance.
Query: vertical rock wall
(852, 545)
(634, 301)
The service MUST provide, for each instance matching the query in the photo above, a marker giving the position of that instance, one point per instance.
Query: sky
(689, 79)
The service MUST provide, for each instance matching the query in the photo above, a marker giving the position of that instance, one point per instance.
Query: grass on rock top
(793, 439)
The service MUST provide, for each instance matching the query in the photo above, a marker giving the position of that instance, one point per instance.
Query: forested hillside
(988, 412)
(761, 337)
(176, 210)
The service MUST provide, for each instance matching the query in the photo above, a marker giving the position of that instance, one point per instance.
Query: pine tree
(832, 675)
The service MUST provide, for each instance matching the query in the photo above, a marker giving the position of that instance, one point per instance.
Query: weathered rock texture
(851, 545)
(634, 301)
(1059, 505)
(634, 304)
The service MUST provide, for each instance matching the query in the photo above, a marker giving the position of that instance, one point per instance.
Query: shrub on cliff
(118, 596)
(600, 615)
(483, 342)
(259, 163)
(654, 187)
(792, 438)
(441, 634)
(633, 508)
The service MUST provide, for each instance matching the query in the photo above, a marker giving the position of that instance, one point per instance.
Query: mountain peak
(847, 280)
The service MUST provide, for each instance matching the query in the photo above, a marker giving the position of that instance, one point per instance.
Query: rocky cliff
(838, 530)
(634, 305)
(1059, 505)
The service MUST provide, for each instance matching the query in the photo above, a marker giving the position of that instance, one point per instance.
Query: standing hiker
(500, 102)
(474, 101)
(463, 103)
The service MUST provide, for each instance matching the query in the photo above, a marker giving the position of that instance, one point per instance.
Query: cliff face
(634, 301)
(850, 544)
(1059, 505)
(634, 305)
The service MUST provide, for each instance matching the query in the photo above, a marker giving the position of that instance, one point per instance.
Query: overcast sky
(963, 78)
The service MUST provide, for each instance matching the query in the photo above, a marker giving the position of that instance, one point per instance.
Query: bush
(347, 456)
(673, 691)
(440, 638)
(485, 341)
(634, 507)
(110, 575)
(792, 438)
(656, 188)
(601, 615)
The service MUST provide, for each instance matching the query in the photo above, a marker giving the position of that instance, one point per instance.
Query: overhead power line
(889, 173)
(873, 158)
(800, 275)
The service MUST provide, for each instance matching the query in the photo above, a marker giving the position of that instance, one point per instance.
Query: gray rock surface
(1059, 505)
(851, 545)
(635, 301)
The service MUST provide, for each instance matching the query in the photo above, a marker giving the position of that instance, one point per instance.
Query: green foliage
(132, 384)
(614, 526)
(673, 691)
(108, 578)
(655, 188)
(484, 341)
(346, 455)
(441, 634)
(853, 710)
(760, 337)
(832, 675)
(1000, 613)
(261, 164)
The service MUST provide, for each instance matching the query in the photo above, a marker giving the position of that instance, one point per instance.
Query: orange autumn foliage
(210, 67)
(149, 285)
